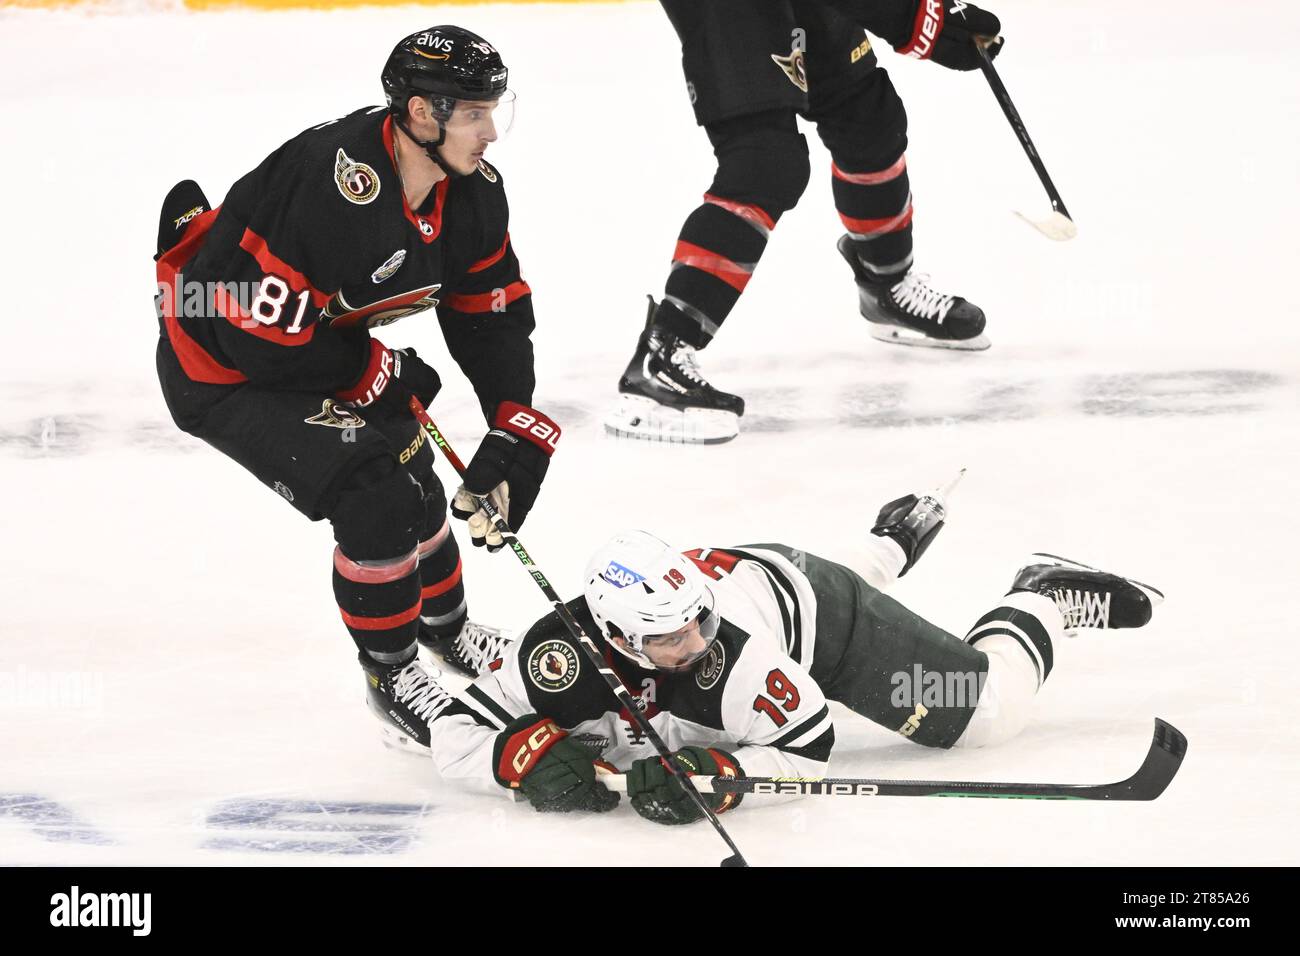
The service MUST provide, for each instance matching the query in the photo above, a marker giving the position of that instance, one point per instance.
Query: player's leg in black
(861, 120)
(746, 91)
(328, 462)
(445, 629)
(377, 511)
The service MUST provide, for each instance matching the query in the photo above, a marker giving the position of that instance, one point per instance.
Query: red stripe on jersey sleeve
(485, 301)
(492, 259)
(195, 361)
(272, 264)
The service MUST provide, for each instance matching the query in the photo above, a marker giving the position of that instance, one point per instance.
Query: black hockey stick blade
(1168, 747)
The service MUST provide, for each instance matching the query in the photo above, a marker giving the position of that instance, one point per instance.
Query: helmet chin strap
(430, 147)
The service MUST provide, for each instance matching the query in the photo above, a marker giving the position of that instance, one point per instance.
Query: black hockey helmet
(445, 63)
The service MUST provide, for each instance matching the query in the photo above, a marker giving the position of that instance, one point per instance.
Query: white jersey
(751, 695)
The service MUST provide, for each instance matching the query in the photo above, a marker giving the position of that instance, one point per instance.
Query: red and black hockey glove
(657, 796)
(510, 464)
(945, 31)
(391, 376)
(534, 756)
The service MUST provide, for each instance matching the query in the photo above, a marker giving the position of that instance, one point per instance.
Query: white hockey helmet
(640, 589)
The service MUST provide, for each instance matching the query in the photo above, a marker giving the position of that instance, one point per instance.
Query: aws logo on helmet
(620, 576)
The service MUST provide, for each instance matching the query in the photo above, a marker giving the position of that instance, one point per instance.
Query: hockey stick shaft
(1164, 757)
(1017, 124)
(630, 705)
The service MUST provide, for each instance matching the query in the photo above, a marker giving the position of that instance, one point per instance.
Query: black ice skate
(184, 202)
(1087, 597)
(471, 651)
(665, 397)
(907, 311)
(405, 697)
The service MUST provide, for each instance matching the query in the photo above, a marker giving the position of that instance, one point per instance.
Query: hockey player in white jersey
(734, 653)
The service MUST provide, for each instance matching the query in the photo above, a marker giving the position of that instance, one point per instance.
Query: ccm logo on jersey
(913, 722)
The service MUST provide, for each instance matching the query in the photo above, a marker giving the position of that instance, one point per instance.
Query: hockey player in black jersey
(751, 67)
(734, 654)
(267, 309)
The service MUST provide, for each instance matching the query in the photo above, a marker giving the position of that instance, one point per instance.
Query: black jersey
(282, 284)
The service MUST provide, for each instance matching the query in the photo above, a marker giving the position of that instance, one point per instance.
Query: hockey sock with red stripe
(719, 246)
(380, 604)
(875, 206)
(442, 593)
(762, 171)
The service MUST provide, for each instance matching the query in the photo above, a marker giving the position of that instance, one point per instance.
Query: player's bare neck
(417, 172)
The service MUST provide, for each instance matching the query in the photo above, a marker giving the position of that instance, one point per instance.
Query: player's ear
(419, 110)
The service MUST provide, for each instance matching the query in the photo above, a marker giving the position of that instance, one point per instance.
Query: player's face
(684, 646)
(472, 127)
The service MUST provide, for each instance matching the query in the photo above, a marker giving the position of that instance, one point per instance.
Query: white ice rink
(175, 684)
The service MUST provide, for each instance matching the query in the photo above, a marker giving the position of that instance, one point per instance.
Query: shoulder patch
(553, 666)
(488, 172)
(710, 670)
(357, 182)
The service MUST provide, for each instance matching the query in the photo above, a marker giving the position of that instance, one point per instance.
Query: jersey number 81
(268, 307)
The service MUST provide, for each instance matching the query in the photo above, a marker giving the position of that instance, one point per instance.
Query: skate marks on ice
(244, 825)
(896, 402)
(913, 402)
(62, 435)
(277, 825)
(48, 820)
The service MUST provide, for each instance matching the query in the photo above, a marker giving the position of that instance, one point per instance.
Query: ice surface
(175, 686)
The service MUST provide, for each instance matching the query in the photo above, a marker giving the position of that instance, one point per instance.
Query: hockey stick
(1058, 225)
(630, 704)
(1165, 756)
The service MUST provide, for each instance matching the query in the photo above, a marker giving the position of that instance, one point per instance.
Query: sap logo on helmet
(620, 576)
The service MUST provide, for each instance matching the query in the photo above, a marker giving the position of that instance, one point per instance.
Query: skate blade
(1154, 595)
(1055, 226)
(647, 420)
(898, 335)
